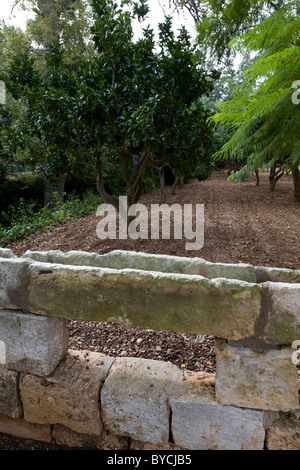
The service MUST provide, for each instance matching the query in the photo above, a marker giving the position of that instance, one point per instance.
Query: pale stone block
(7, 253)
(10, 404)
(134, 399)
(262, 380)
(284, 434)
(32, 343)
(20, 428)
(162, 301)
(70, 395)
(283, 322)
(265, 274)
(14, 281)
(121, 259)
(200, 423)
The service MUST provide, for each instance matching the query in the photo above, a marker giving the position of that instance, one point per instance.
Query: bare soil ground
(244, 223)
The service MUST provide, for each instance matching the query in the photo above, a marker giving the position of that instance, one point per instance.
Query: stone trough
(89, 400)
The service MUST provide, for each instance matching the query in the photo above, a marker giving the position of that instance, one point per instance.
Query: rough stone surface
(10, 404)
(120, 259)
(250, 379)
(34, 344)
(20, 428)
(284, 434)
(66, 437)
(161, 301)
(265, 274)
(283, 323)
(134, 399)
(7, 253)
(70, 395)
(14, 280)
(200, 423)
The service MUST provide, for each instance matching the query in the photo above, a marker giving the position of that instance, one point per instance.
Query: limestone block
(32, 343)
(10, 404)
(7, 253)
(283, 322)
(14, 280)
(265, 274)
(241, 271)
(284, 434)
(200, 423)
(134, 399)
(70, 395)
(262, 380)
(161, 301)
(121, 259)
(20, 428)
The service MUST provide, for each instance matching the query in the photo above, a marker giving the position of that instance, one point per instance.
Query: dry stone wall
(84, 399)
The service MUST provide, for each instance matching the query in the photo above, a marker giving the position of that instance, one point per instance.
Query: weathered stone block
(200, 423)
(32, 343)
(161, 301)
(10, 404)
(20, 428)
(70, 395)
(134, 399)
(7, 253)
(284, 434)
(262, 380)
(265, 274)
(283, 322)
(121, 259)
(14, 280)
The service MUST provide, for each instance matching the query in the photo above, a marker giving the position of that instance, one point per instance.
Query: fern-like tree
(262, 114)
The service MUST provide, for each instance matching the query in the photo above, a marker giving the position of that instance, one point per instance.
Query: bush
(26, 218)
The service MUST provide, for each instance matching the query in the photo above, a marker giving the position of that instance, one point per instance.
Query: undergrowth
(26, 218)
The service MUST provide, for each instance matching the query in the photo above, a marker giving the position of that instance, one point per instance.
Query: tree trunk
(274, 176)
(257, 176)
(54, 189)
(296, 180)
(176, 182)
(162, 183)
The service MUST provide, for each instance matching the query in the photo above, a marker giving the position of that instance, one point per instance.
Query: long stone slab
(162, 301)
(32, 343)
(20, 428)
(120, 259)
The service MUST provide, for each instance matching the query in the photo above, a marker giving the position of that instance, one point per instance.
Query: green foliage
(12, 189)
(124, 108)
(261, 114)
(26, 218)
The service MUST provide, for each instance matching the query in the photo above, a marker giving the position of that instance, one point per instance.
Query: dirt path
(243, 223)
